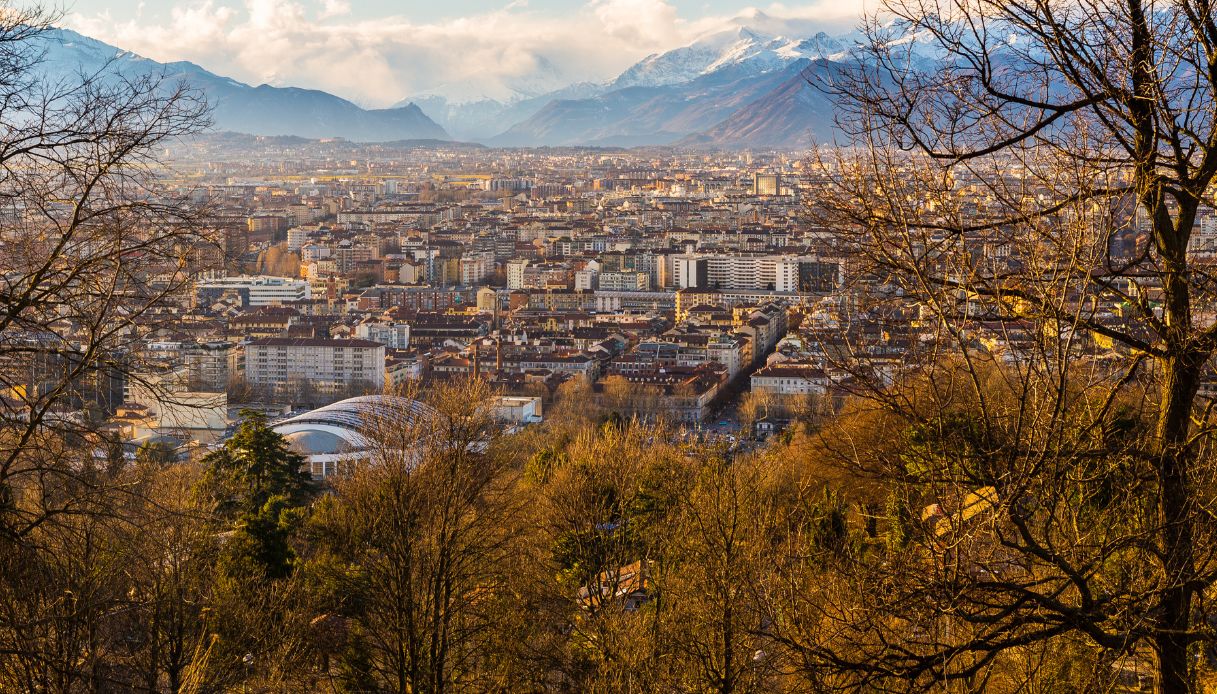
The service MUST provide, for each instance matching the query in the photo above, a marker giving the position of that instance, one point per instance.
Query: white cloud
(644, 23)
(334, 8)
(378, 62)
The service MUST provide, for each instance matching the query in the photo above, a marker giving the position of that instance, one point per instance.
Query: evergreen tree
(254, 465)
(260, 486)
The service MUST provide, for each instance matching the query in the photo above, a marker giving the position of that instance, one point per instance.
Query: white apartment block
(476, 268)
(738, 271)
(297, 237)
(625, 281)
(394, 335)
(328, 365)
(515, 274)
(262, 290)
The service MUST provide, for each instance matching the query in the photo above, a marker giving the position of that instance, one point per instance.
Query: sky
(378, 52)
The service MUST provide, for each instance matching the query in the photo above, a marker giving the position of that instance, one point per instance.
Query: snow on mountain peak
(749, 46)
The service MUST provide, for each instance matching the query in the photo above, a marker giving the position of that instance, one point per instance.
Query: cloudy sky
(377, 52)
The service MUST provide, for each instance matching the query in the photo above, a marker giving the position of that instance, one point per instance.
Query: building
(266, 225)
(790, 379)
(476, 268)
(262, 290)
(172, 408)
(211, 365)
(327, 365)
(754, 271)
(297, 237)
(691, 272)
(515, 274)
(766, 184)
(628, 587)
(625, 281)
(337, 435)
(517, 410)
(487, 300)
(348, 256)
(393, 335)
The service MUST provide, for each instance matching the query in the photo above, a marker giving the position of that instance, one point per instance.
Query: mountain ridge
(616, 113)
(237, 106)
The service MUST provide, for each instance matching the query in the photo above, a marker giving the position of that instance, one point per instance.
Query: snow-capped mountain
(756, 45)
(744, 47)
(745, 86)
(635, 116)
(671, 96)
(261, 110)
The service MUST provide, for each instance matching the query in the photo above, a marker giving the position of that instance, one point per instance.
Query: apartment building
(328, 365)
(476, 268)
(393, 335)
(757, 271)
(790, 380)
(515, 273)
(625, 281)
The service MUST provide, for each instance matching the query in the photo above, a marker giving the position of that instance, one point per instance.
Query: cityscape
(625, 346)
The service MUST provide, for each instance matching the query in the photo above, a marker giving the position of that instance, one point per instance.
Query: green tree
(262, 488)
(260, 495)
(254, 465)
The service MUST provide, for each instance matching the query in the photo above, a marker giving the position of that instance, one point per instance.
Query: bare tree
(92, 253)
(722, 533)
(428, 522)
(1029, 176)
(92, 248)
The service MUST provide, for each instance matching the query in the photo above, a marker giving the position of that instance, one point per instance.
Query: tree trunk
(1182, 379)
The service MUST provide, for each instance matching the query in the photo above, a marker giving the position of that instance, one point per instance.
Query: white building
(328, 365)
(739, 271)
(625, 281)
(790, 379)
(515, 274)
(517, 410)
(476, 268)
(394, 335)
(297, 237)
(262, 290)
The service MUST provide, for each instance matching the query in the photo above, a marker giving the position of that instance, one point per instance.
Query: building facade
(327, 365)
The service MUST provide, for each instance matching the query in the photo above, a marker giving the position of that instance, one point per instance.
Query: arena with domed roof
(332, 435)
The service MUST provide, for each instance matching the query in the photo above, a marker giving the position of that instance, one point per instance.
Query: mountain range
(748, 75)
(239, 107)
(748, 86)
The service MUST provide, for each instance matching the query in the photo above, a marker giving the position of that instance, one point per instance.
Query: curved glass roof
(363, 412)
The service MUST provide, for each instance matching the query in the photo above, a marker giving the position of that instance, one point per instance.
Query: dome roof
(359, 413)
(336, 429)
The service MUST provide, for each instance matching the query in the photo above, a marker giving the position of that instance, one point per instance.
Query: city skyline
(615, 346)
